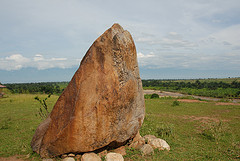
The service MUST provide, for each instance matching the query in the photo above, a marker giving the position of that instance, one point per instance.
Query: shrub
(175, 103)
(154, 95)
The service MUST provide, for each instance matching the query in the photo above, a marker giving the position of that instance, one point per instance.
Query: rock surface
(148, 138)
(114, 157)
(90, 157)
(137, 142)
(68, 159)
(103, 105)
(146, 149)
(159, 144)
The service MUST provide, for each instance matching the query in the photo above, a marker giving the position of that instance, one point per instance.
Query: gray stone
(114, 157)
(148, 138)
(68, 159)
(90, 157)
(159, 144)
(71, 155)
(146, 149)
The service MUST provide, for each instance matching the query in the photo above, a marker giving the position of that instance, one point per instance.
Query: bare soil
(189, 100)
(227, 103)
(12, 158)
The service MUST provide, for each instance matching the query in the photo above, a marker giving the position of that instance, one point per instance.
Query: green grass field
(194, 130)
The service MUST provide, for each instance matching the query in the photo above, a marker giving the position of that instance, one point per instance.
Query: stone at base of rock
(102, 153)
(71, 155)
(121, 150)
(137, 144)
(78, 157)
(148, 138)
(90, 157)
(146, 149)
(47, 160)
(159, 144)
(114, 157)
(137, 137)
(64, 156)
(68, 159)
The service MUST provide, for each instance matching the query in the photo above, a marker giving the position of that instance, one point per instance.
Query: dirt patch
(188, 100)
(227, 103)
(12, 158)
(203, 119)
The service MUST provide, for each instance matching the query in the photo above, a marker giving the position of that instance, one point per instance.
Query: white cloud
(17, 62)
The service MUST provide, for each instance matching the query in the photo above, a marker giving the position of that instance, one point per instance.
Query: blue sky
(45, 40)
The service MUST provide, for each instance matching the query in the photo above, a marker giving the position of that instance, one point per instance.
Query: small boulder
(64, 156)
(159, 144)
(71, 155)
(148, 138)
(90, 157)
(146, 149)
(68, 159)
(114, 157)
(137, 144)
(78, 157)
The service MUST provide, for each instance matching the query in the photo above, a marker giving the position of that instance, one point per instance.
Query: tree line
(43, 87)
(195, 85)
(217, 89)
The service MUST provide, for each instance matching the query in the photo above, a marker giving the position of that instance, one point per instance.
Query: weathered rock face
(103, 105)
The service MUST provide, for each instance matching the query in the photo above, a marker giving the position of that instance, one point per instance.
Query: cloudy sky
(45, 40)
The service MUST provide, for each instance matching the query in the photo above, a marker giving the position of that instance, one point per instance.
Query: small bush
(147, 96)
(154, 95)
(175, 103)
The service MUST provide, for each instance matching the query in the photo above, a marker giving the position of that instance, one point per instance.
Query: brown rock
(137, 142)
(103, 105)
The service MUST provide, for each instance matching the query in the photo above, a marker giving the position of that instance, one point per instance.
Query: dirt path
(173, 94)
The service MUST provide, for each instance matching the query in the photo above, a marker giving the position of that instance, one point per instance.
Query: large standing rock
(103, 105)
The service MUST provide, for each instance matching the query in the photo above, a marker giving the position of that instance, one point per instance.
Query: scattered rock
(137, 137)
(102, 105)
(71, 155)
(160, 144)
(148, 138)
(48, 159)
(90, 157)
(121, 150)
(68, 159)
(114, 157)
(78, 157)
(146, 149)
(64, 156)
(137, 144)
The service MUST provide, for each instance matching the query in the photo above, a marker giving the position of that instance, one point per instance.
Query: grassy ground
(195, 131)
